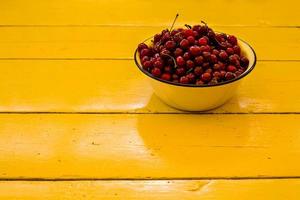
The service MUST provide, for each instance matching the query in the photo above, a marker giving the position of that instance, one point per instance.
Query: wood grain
(148, 146)
(106, 86)
(75, 56)
(137, 12)
(121, 42)
(152, 190)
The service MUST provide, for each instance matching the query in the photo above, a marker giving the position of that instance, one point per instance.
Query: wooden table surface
(79, 121)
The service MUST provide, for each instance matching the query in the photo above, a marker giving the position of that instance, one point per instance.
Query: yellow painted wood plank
(149, 146)
(117, 86)
(120, 42)
(152, 190)
(154, 12)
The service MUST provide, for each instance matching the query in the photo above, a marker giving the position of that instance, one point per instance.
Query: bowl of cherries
(194, 68)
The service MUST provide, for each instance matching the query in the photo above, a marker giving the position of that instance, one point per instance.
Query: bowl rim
(194, 85)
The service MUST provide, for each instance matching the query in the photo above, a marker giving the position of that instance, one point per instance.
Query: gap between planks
(125, 59)
(153, 179)
(148, 113)
(139, 26)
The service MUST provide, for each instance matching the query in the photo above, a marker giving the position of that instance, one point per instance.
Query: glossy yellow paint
(120, 42)
(155, 12)
(148, 146)
(135, 146)
(153, 190)
(118, 86)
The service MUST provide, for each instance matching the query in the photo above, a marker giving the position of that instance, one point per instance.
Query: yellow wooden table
(78, 121)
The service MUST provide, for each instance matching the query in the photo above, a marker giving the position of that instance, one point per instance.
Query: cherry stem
(175, 65)
(174, 22)
(190, 70)
(203, 22)
(188, 26)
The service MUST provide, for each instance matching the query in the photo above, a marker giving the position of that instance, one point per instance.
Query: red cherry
(145, 58)
(220, 37)
(174, 32)
(198, 71)
(213, 81)
(217, 75)
(191, 77)
(215, 52)
(223, 35)
(180, 61)
(184, 80)
(223, 55)
(145, 52)
(195, 50)
(232, 39)
(199, 82)
(166, 37)
(229, 75)
(222, 65)
(237, 56)
(158, 64)
(157, 37)
(206, 77)
(196, 28)
(199, 60)
(142, 46)
(217, 67)
(206, 54)
(244, 61)
(222, 74)
(190, 64)
(184, 43)
(188, 32)
(209, 70)
(170, 45)
(147, 65)
(228, 45)
(203, 48)
(237, 49)
(213, 58)
(238, 73)
(196, 34)
(156, 72)
(168, 69)
(205, 65)
(230, 51)
(178, 37)
(186, 56)
(164, 53)
(180, 71)
(175, 76)
(231, 68)
(178, 52)
(191, 39)
(234, 59)
(207, 48)
(203, 41)
(166, 76)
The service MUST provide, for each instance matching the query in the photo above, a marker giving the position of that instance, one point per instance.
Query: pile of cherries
(193, 55)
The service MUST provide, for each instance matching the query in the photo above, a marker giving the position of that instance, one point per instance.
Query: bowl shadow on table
(186, 141)
(234, 105)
